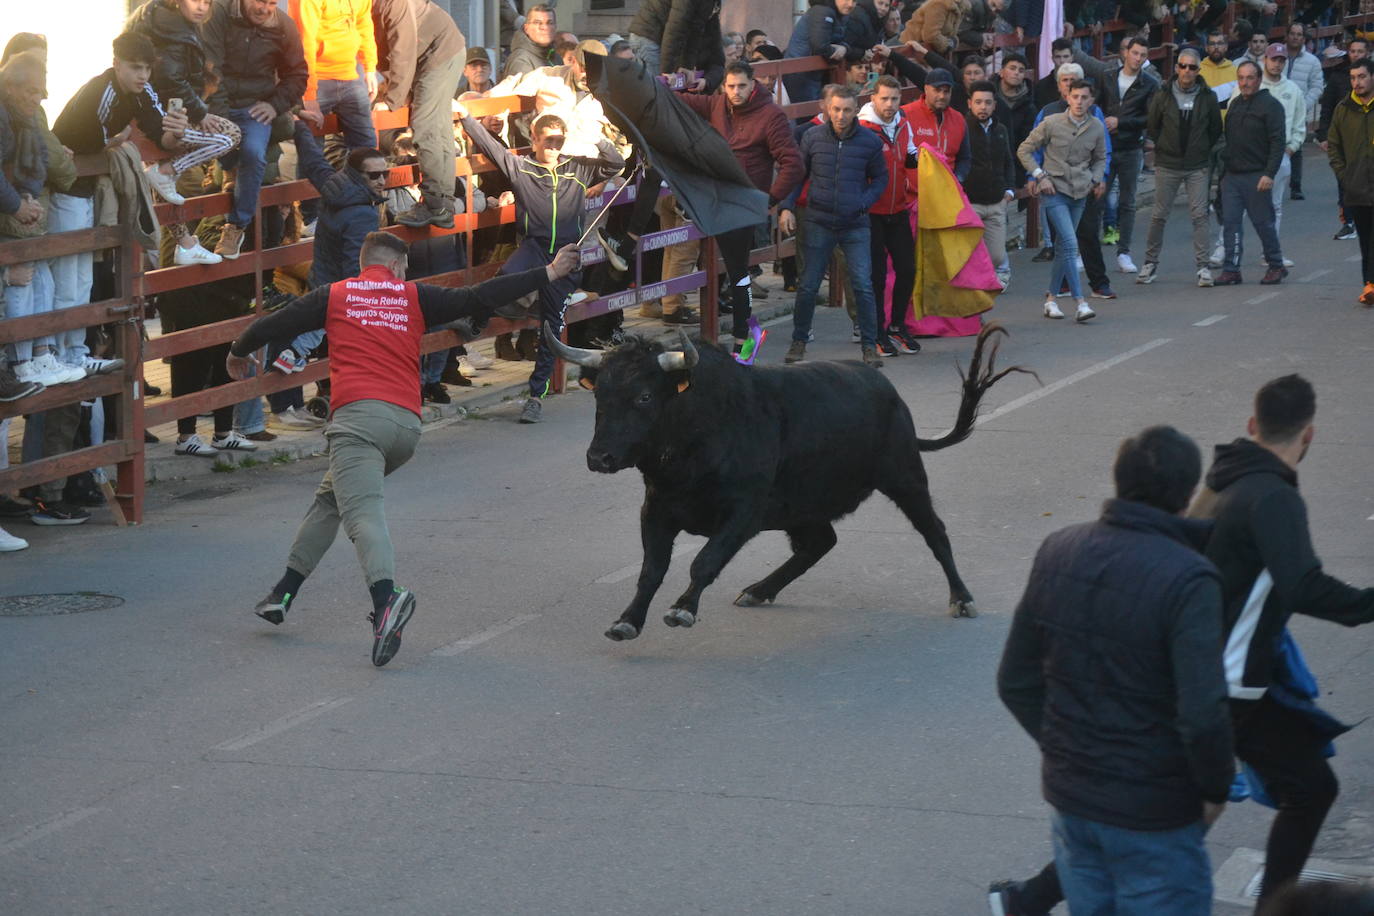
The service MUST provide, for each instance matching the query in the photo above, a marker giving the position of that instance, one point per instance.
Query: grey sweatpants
(367, 441)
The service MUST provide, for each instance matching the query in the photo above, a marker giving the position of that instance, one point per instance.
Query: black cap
(479, 54)
(939, 77)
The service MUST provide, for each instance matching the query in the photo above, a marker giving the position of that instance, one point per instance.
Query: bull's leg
(809, 544)
(913, 498)
(657, 539)
(709, 561)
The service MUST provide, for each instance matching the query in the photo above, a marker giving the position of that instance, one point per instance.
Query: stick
(592, 225)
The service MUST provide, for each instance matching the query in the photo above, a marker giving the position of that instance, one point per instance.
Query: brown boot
(528, 344)
(652, 309)
(230, 241)
(505, 348)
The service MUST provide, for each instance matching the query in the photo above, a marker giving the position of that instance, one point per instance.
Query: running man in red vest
(374, 322)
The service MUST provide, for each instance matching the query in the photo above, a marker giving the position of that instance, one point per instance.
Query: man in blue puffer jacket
(845, 174)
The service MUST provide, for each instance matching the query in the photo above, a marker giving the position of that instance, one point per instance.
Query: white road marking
(35, 832)
(1265, 298)
(1209, 321)
(1315, 274)
(277, 726)
(1070, 380)
(625, 572)
(467, 642)
(1353, 258)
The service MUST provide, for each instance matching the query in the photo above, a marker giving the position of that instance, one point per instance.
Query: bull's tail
(979, 379)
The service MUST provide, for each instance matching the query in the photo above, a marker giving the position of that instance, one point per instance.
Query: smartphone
(174, 105)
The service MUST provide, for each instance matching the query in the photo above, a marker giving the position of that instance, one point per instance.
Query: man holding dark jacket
(1269, 571)
(1112, 667)
(1184, 124)
(255, 51)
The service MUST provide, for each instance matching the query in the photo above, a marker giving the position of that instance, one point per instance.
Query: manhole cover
(50, 605)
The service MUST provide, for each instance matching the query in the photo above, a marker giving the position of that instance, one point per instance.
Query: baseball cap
(1277, 49)
(592, 45)
(939, 77)
(476, 55)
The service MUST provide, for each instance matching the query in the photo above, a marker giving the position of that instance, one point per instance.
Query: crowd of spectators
(231, 94)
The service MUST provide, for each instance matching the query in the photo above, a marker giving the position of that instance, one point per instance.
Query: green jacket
(1350, 148)
(1164, 122)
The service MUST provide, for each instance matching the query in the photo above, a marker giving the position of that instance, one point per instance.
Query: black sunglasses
(375, 176)
(553, 141)
(1186, 66)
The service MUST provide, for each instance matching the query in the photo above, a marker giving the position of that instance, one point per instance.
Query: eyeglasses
(553, 141)
(1186, 66)
(376, 176)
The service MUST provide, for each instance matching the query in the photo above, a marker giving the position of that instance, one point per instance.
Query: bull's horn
(575, 355)
(674, 360)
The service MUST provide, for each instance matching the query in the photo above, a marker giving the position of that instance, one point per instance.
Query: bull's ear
(587, 379)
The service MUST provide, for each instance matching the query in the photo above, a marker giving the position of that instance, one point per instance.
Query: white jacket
(1294, 110)
(1306, 71)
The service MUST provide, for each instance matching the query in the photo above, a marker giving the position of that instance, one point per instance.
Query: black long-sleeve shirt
(439, 305)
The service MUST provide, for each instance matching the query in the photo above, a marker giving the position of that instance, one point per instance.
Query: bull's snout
(600, 461)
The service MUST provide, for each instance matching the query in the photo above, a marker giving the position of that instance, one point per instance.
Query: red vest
(901, 181)
(946, 136)
(374, 325)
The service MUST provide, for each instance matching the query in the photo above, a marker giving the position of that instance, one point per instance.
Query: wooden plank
(57, 244)
(82, 316)
(95, 386)
(83, 459)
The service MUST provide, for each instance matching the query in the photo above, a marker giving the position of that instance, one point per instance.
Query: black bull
(728, 451)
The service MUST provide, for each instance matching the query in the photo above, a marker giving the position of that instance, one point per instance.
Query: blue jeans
(432, 366)
(248, 415)
(349, 102)
(71, 273)
(1113, 871)
(1064, 213)
(250, 161)
(33, 298)
(1240, 194)
(820, 242)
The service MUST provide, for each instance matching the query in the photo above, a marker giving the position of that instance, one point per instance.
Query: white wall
(79, 35)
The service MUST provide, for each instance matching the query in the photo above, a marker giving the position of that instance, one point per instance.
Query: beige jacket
(935, 24)
(1075, 154)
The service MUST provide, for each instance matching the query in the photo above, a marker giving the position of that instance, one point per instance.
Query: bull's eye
(645, 399)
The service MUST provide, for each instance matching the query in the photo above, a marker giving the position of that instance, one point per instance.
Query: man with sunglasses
(1184, 123)
(550, 191)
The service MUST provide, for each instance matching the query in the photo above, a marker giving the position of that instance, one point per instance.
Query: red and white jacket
(898, 142)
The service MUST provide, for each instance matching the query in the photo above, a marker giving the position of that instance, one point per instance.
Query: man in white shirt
(1287, 94)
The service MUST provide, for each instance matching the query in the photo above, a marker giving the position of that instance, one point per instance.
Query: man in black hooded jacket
(1269, 571)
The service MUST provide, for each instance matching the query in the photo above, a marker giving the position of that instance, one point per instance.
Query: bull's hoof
(747, 599)
(679, 617)
(622, 631)
(963, 608)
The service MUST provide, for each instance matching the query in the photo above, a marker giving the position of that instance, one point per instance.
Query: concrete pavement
(842, 751)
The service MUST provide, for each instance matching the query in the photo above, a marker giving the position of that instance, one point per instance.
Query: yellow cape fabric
(942, 246)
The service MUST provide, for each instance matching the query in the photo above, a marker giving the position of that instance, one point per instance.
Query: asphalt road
(842, 751)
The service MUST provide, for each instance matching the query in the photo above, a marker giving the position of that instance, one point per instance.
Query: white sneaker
(1204, 277)
(9, 542)
(291, 418)
(51, 372)
(196, 254)
(165, 185)
(195, 446)
(285, 363)
(479, 360)
(1218, 256)
(575, 297)
(1124, 262)
(1147, 273)
(1085, 311)
(1052, 308)
(233, 442)
(1265, 264)
(465, 368)
(308, 230)
(95, 366)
